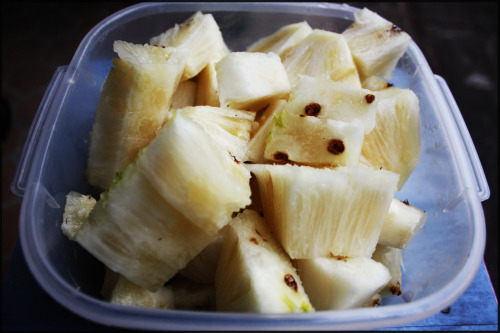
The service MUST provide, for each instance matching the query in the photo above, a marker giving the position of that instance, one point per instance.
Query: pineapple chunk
(133, 106)
(230, 128)
(340, 282)
(118, 290)
(185, 95)
(206, 93)
(313, 141)
(76, 211)
(265, 119)
(394, 144)
(392, 258)
(402, 223)
(376, 44)
(251, 80)
(186, 205)
(375, 83)
(373, 301)
(254, 274)
(322, 54)
(325, 99)
(318, 212)
(201, 39)
(283, 39)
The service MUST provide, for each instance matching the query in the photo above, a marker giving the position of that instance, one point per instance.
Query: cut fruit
(199, 37)
(373, 301)
(118, 290)
(190, 186)
(257, 143)
(313, 141)
(376, 44)
(230, 128)
(326, 99)
(254, 274)
(251, 80)
(402, 223)
(76, 211)
(392, 258)
(341, 282)
(321, 212)
(395, 143)
(133, 106)
(322, 54)
(206, 93)
(185, 95)
(375, 83)
(283, 39)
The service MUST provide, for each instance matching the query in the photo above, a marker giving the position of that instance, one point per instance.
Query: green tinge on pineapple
(341, 283)
(375, 43)
(325, 99)
(76, 211)
(200, 37)
(282, 40)
(318, 212)
(166, 208)
(392, 258)
(395, 142)
(251, 80)
(313, 141)
(254, 274)
(322, 54)
(402, 223)
(133, 106)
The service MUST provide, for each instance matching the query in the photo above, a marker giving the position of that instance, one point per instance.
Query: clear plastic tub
(448, 183)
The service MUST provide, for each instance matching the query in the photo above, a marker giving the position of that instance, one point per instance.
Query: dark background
(459, 41)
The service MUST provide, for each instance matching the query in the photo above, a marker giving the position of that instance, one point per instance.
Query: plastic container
(448, 183)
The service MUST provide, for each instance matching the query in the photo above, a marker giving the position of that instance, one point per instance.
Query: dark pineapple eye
(336, 146)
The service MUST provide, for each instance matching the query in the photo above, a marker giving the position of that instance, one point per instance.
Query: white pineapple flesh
(392, 258)
(322, 54)
(312, 141)
(251, 80)
(254, 274)
(325, 99)
(395, 142)
(321, 212)
(206, 92)
(375, 43)
(164, 208)
(341, 282)
(375, 83)
(185, 95)
(282, 40)
(76, 211)
(199, 37)
(402, 223)
(133, 106)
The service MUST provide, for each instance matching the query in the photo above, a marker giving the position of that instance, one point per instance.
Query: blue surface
(27, 307)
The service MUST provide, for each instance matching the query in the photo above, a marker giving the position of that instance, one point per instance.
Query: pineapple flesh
(133, 106)
(76, 211)
(186, 205)
(376, 44)
(206, 90)
(321, 212)
(392, 258)
(254, 274)
(199, 37)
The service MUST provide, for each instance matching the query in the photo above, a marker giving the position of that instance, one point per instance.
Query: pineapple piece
(313, 141)
(392, 258)
(251, 80)
(341, 283)
(230, 128)
(402, 223)
(375, 83)
(282, 40)
(375, 43)
(395, 143)
(207, 93)
(201, 39)
(373, 301)
(133, 106)
(185, 95)
(322, 54)
(186, 205)
(254, 274)
(325, 99)
(265, 119)
(118, 290)
(318, 212)
(76, 211)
